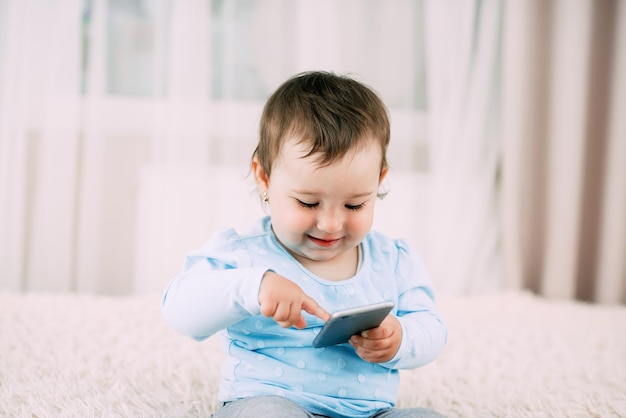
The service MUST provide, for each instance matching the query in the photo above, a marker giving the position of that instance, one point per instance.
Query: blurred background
(126, 129)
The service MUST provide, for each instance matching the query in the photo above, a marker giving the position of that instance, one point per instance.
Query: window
(243, 49)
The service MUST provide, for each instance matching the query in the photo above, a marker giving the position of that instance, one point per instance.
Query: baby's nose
(330, 221)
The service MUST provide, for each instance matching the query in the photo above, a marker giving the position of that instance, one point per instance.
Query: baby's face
(321, 213)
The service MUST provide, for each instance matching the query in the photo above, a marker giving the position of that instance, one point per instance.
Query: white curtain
(126, 126)
(463, 57)
(564, 154)
(39, 153)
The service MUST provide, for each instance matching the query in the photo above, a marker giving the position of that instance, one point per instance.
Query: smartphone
(345, 323)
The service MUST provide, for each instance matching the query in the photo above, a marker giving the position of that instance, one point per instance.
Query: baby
(318, 167)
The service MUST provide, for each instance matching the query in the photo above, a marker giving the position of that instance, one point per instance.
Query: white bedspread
(508, 355)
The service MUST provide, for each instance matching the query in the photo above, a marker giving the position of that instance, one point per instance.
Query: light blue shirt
(218, 288)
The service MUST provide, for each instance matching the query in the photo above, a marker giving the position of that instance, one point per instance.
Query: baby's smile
(323, 242)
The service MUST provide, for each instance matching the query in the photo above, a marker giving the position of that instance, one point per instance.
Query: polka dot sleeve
(217, 288)
(424, 332)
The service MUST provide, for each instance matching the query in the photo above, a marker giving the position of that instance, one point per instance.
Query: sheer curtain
(126, 125)
(464, 55)
(528, 149)
(126, 128)
(39, 152)
(564, 154)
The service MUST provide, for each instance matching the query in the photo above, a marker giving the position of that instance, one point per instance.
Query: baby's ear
(260, 176)
(383, 174)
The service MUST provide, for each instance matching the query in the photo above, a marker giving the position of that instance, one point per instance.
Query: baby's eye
(355, 207)
(307, 205)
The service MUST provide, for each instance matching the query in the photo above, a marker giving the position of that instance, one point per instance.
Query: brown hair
(330, 112)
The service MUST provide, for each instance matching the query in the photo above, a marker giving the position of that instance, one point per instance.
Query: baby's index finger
(312, 307)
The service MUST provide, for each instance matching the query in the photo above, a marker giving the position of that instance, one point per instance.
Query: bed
(509, 354)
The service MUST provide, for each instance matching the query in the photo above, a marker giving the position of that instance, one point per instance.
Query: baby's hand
(283, 300)
(379, 344)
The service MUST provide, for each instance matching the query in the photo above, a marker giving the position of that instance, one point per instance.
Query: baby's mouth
(323, 242)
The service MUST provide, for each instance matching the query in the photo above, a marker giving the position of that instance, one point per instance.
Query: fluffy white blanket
(509, 355)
